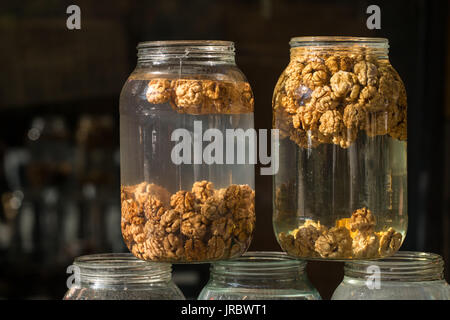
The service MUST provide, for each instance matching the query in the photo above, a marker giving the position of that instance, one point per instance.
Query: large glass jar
(187, 180)
(120, 277)
(404, 276)
(341, 190)
(259, 276)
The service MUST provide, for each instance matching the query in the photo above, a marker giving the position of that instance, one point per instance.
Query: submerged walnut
(193, 226)
(336, 243)
(390, 242)
(365, 92)
(365, 245)
(203, 190)
(188, 93)
(331, 123)
(323, 99)
(158, 91)
(350, 238)
(362, 220)
(315, 74)
(345, 85)
(201, 96)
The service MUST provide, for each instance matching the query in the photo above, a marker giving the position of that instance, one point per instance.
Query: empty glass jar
(187, 180)
(404, 276)
(341, 190)
(120, 277)
(258, 276)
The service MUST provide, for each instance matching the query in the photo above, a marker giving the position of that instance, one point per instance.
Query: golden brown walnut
(331, 123)
(305, 238)
(352, 237)
(222, 227)
(323, 99)
(195, 250)
(188, 93)
(315, 74)
(362, 220)
(193, 225)
(153, 208)
(367, 92)
(183, 201)
(171, 221)
(158, 91)
(336, 243)
(390, 242)
(203, 190)
(336, 63)
(354, 116)
(216, 248)
(345, 85)
(287, 243)
(366, 72)
(365, 245)
(197, 225)
(246, 95)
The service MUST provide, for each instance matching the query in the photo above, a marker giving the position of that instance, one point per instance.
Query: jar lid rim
(319, 40)
(116, 260)
(176, 43)
(264, 258)
(399, 258)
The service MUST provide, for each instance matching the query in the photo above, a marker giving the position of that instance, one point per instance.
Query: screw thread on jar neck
(403, 266)
(119, 270)
(374, 47)
(202, 52)
(258, 266)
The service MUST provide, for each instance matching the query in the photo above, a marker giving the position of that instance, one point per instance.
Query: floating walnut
(199, 96)
(188, 226)
(329, 97)
(351, 238)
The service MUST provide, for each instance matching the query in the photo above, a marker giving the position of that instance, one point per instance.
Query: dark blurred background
(59, 141)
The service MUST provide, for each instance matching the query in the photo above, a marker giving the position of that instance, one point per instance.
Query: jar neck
(403, 266)
(376, 48)
(258, 267)
(206, 53)
(120, 271)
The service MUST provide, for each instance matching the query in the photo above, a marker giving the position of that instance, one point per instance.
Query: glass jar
(183, 109)
(341, 190)
(120, 277)
(404, 276)
(259, 276)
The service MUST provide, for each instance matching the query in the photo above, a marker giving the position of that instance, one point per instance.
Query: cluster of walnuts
(193, 96)
(351, 238)
(323, 98)
(188, 226)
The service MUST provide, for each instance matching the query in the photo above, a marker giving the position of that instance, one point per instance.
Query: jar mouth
(120, 267)
(187, 50)
(403, 265)
(258, 263)
(113, 260)
(186, 43)
(339, 41)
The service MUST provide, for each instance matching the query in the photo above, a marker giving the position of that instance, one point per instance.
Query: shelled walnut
(200, 96)
(330, 97)
(188, 226)
(351, 238)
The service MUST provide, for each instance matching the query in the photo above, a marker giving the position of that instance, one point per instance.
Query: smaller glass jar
(259, 276)
(121, 277)
(404, 276)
